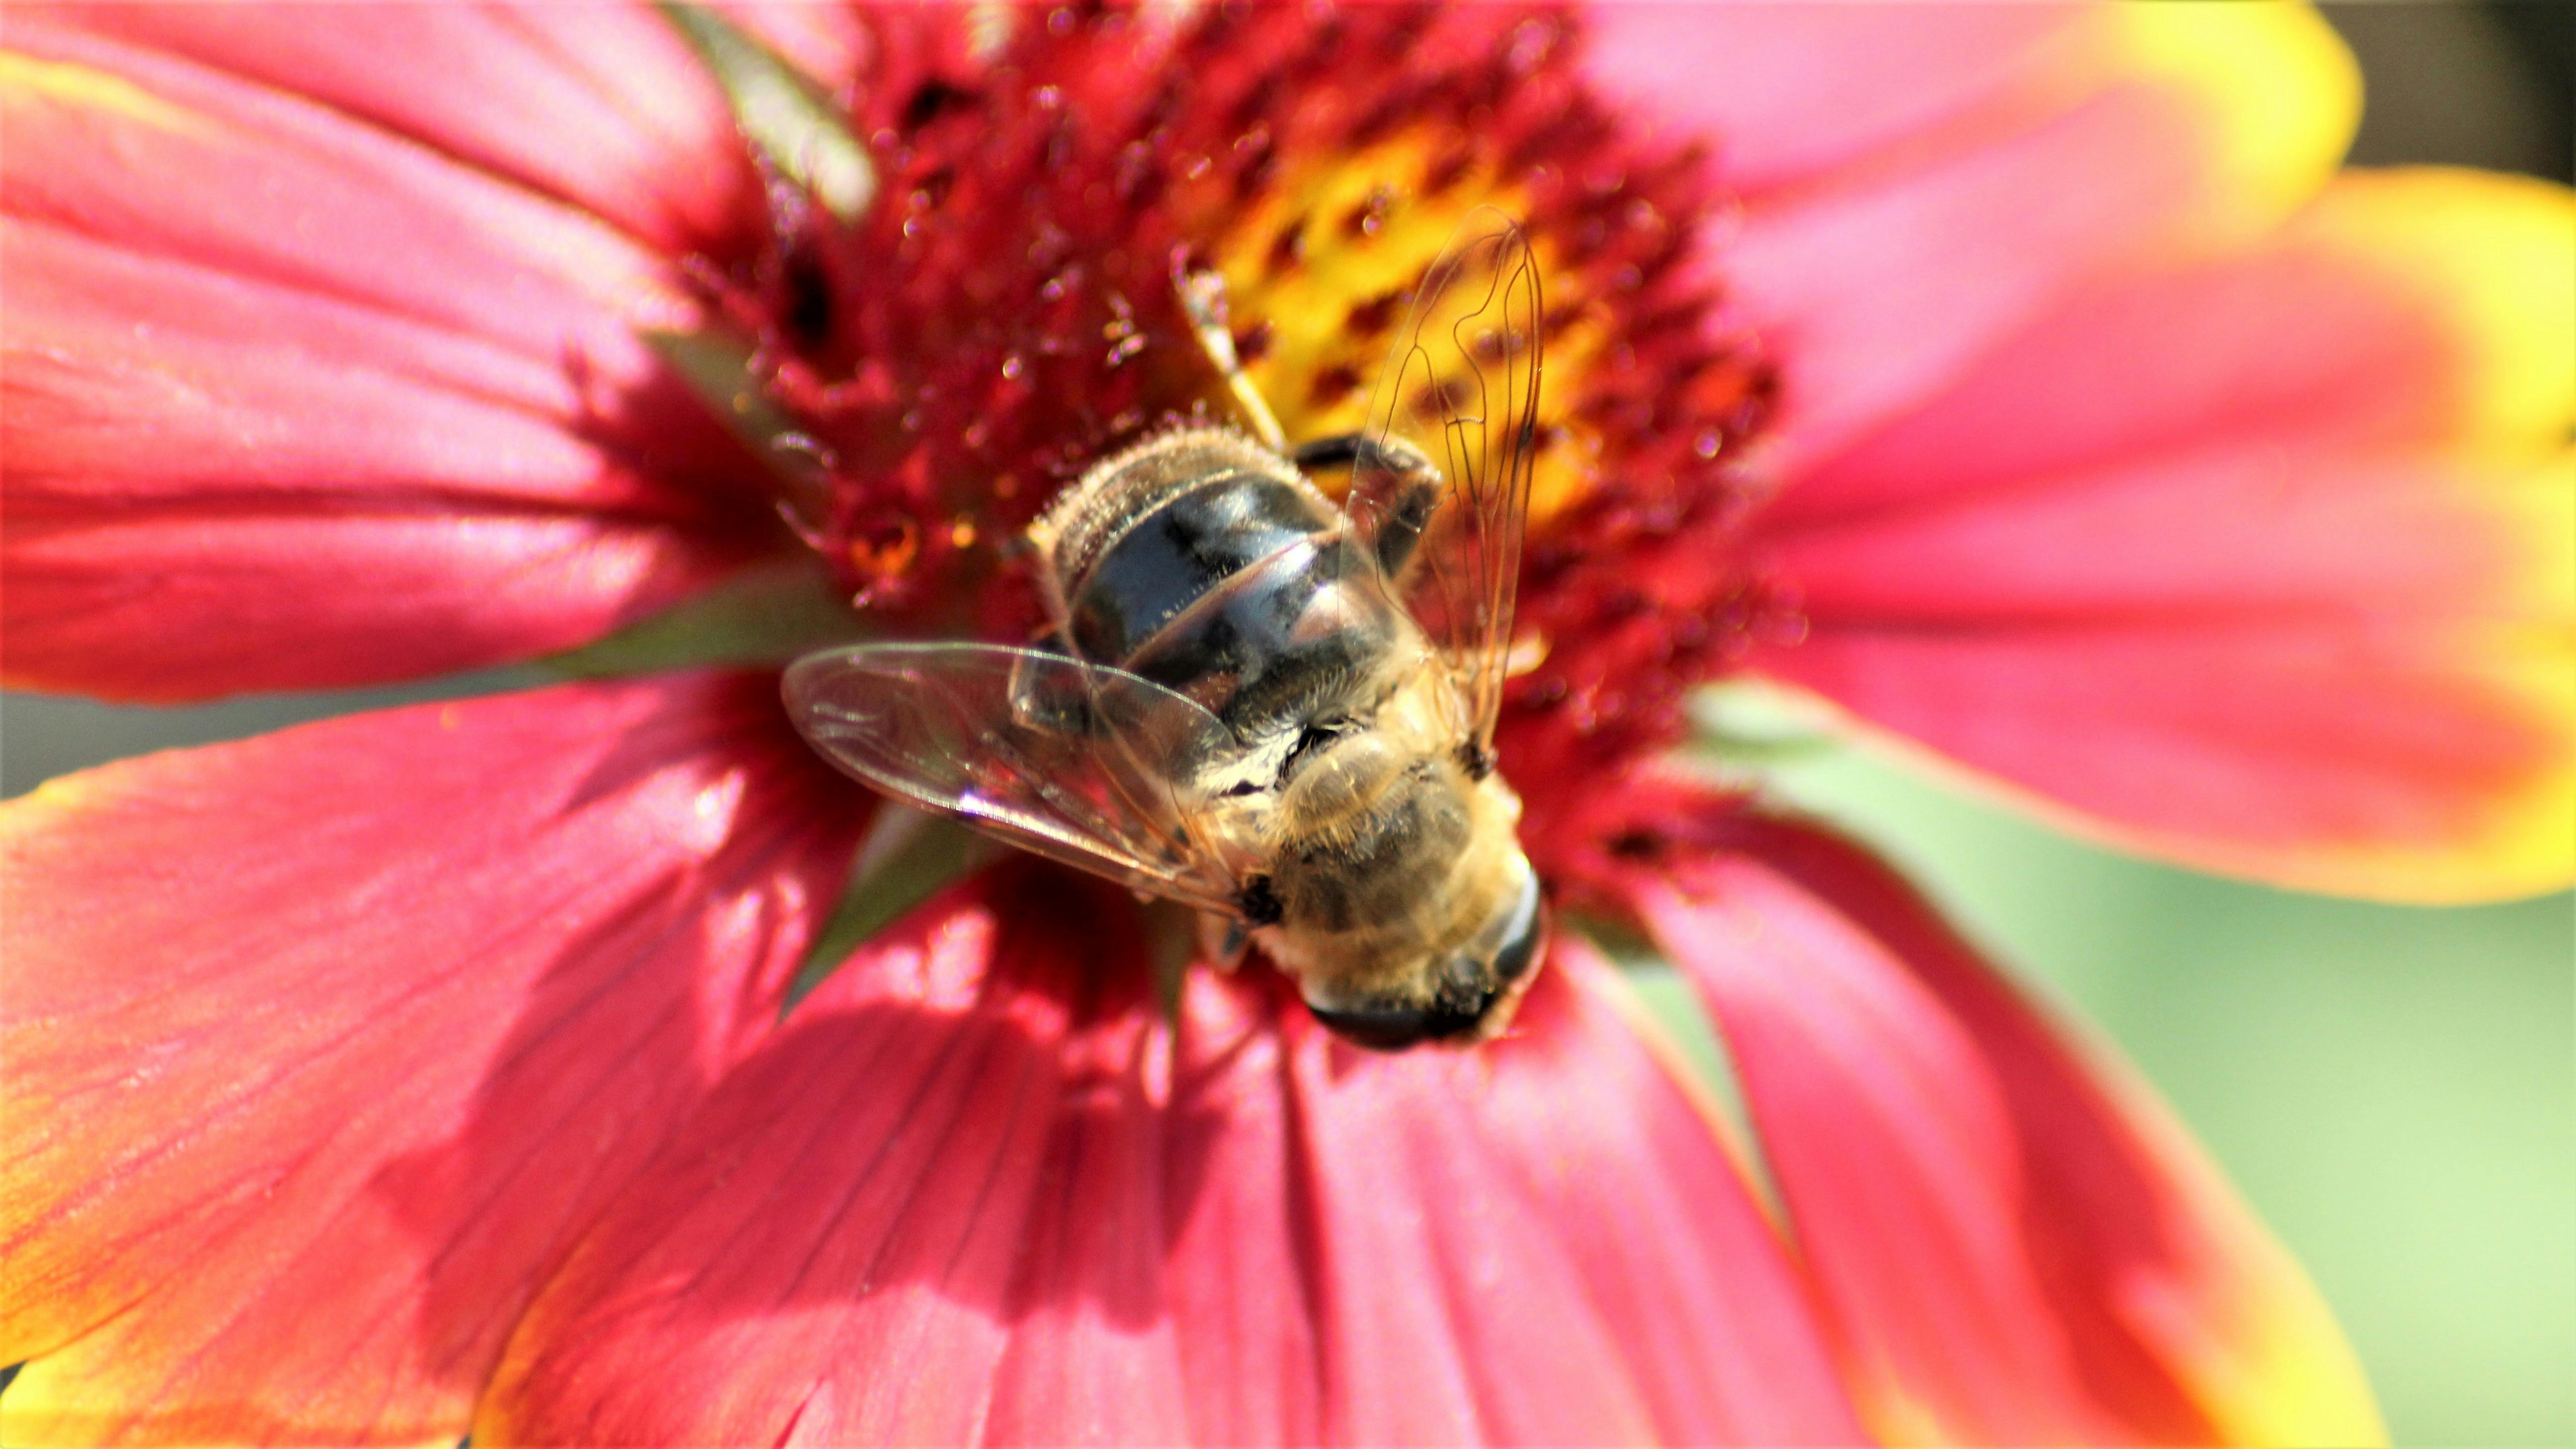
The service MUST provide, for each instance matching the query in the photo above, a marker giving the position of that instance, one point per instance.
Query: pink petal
(599, 106)
(2245, 562)
(440, 366)
(1875, 283)
(2317, 337)
(830, 43)
(1789, 91)
(321, 1044)
(978, 1192)
(2017, 1243)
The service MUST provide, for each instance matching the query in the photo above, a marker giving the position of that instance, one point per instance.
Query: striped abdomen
(1205, 563)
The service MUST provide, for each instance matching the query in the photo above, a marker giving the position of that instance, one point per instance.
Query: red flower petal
(1543, 1242)
(439, 365)
(1875, 284)
(2236, 559)
(2018, 1245)
(320, 1044)
(922, 1206)
(600, 106)
(977, 1192)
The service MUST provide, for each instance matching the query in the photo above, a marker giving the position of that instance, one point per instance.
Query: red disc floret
(1005, 312)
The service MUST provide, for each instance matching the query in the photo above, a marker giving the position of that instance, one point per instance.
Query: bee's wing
(1461, 385)
(1071, 760)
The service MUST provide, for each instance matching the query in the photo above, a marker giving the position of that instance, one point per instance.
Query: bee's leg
(1341, 450)
(1401, 507)
(1223, 940)
(1203, 299)
(1047, 639)
(1049, 699)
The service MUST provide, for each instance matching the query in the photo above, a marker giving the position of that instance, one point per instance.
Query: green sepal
(717, 366)
(907, 858)
(768, 614)
(780, 111)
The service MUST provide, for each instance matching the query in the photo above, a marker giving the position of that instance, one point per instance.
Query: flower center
(1005, 312)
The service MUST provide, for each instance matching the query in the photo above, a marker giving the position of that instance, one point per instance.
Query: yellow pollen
(1322, 267)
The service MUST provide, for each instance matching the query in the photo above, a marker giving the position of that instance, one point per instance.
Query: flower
(2015, 378)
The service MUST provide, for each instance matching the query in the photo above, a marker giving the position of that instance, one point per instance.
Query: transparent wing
(1077, 762)
(1460, 391)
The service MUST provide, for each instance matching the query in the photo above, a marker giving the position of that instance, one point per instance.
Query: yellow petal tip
(2279, 91)
(2494, 257)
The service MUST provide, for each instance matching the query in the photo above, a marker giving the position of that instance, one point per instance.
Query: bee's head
(1473, 992)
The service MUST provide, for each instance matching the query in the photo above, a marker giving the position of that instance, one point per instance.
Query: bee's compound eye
(1475, 985)
(1392, 1028)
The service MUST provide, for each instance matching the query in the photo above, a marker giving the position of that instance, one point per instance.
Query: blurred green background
(2394, 1089)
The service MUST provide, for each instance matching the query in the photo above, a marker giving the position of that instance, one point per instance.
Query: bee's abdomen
(1206, 564)
(1194, 542)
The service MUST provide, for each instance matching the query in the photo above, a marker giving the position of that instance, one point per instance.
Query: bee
(1265, 705)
